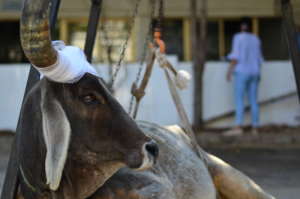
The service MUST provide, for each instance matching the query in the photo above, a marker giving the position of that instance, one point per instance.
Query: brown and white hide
(180, 174)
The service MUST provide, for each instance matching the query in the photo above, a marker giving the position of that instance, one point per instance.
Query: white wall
(157, 106)
(277, 79)
(12, 85)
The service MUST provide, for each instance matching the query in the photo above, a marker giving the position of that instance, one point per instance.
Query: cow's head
(84, 129)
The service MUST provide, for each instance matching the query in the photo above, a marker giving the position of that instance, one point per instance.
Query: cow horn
(35, 33)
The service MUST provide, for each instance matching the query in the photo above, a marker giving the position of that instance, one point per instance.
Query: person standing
(245, 62)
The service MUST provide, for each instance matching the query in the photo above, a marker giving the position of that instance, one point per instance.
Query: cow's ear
(57, 132)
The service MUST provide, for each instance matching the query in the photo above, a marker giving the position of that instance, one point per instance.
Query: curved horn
(35, 33)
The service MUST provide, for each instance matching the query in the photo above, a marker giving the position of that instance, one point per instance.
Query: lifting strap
(139, 93)
(158, 44)
(166, 65)
(147, 39)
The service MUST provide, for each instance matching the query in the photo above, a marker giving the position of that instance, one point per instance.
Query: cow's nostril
(152, 148)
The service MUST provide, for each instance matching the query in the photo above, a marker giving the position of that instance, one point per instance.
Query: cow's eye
(90, 99)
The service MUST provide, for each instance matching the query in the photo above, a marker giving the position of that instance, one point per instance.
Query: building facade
(223, 22)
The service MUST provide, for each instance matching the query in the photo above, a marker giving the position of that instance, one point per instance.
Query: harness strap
(181, 111)
(139, 93)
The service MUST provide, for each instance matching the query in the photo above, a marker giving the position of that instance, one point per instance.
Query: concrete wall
(13, 81)
(277, 80)
(174, 8)
(296, 10)
(157, 106)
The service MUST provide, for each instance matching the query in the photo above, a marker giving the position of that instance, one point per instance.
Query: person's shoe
(233, 132)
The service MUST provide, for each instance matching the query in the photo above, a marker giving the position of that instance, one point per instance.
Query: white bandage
(70, 66)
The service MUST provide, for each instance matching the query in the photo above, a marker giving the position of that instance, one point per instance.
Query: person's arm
(233, 57)
(260, 52)
(230, 70)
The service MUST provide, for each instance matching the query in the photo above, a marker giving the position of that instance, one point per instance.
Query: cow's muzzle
(150, 153)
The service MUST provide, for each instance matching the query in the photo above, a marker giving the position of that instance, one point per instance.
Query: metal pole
(11, 181)
(92, 28)
(55, 4)
(292, 39)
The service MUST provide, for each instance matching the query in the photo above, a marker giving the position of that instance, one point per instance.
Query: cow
(74, 136)
(76, 141)
(182, 172)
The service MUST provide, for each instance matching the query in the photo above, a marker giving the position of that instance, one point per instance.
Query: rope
(123, 50)
(139, 93)
(161, 16)
(147, 40)
(165, 64)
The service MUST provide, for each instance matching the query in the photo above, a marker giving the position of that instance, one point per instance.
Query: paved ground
(283, 111)
(276, 170)
(268, 137)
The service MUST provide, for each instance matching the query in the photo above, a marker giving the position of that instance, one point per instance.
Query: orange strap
(157, 39)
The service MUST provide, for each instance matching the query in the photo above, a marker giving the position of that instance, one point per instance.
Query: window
(112, 35)
(231, 27)
(10, 5)
(274, 46)
(10, 51)
(173, 37)
(213, 41)
(270, 32)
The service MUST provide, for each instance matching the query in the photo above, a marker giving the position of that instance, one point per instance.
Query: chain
(107, 43)
(160, 15)
(123, 50)
(143, 57)
(108, 48)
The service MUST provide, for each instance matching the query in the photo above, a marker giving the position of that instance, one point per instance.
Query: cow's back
(178, 174)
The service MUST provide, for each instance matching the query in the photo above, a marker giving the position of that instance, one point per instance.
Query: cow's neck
(82, 177)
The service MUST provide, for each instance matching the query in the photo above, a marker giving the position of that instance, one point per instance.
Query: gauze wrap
(70, 66)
